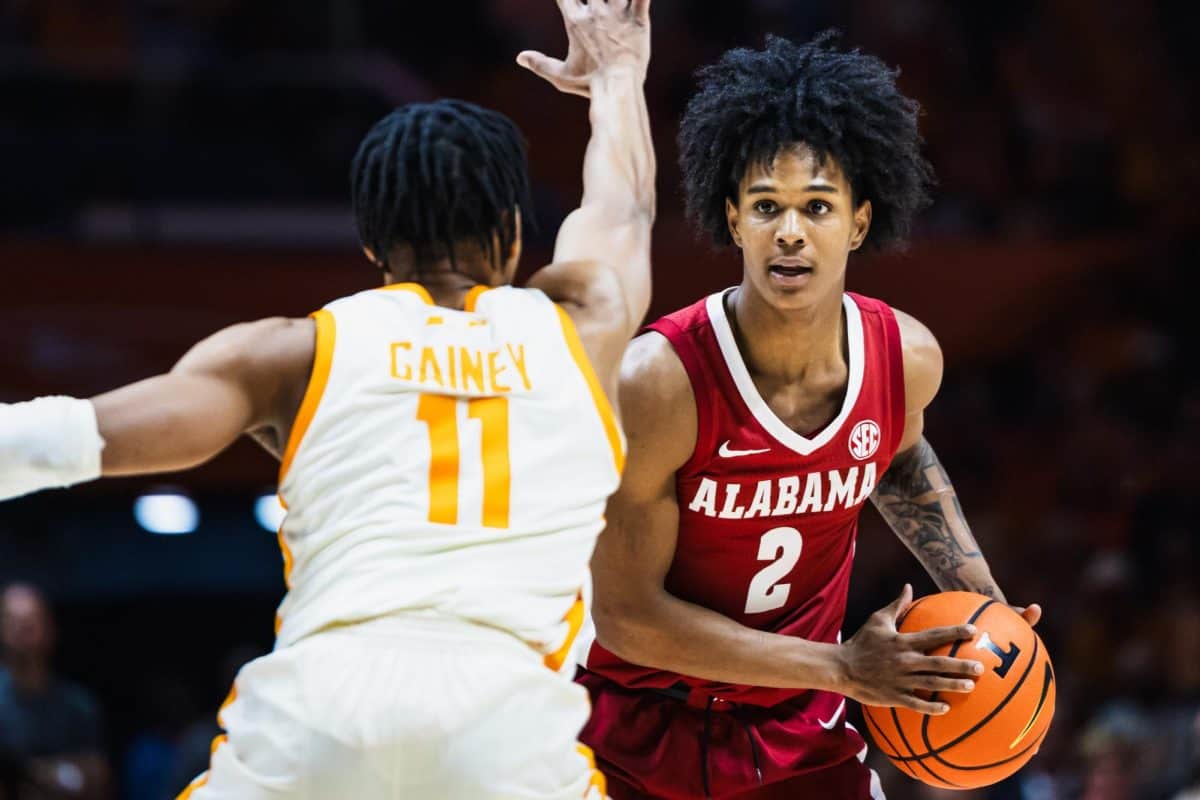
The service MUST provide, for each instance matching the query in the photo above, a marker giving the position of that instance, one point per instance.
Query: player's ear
(387, 275)
(732, 218)
(512, 258)
(862, 225)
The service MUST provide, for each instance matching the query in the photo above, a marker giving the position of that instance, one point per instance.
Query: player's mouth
(790, 272)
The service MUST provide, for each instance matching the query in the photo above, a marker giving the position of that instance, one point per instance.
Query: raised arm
(915, 496)
(601, 268)
(640, 621)
(245, 379)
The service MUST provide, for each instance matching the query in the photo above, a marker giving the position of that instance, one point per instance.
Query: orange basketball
(989, 733)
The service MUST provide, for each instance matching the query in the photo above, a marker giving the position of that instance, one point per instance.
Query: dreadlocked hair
(434, 175)
(752, 104)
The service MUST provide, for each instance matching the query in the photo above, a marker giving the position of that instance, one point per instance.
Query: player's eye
(766, 207)
(819, 207)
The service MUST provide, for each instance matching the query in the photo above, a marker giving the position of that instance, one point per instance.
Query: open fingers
(944, 665)
(641, 11)
(541, 65)
(936, 637)
(938, 683)
(900, 604)
(553, 72)
(931, 707)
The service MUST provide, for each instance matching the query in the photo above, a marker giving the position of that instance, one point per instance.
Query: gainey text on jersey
(469, 370)
(782, 497)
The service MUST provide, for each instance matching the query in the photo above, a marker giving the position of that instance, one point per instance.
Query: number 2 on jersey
(440, 413)
(780, 546)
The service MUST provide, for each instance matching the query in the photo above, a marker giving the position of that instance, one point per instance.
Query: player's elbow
(625, 627)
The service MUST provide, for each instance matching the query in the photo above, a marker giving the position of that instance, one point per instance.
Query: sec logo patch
(864, 440)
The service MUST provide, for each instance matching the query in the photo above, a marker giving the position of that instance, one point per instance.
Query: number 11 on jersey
(440, 414)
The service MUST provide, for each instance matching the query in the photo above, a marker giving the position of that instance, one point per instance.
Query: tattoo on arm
(917, 500)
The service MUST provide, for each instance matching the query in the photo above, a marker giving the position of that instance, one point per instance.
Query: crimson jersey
(767, 517)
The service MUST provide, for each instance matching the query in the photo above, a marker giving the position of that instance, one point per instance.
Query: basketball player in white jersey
(447, 445)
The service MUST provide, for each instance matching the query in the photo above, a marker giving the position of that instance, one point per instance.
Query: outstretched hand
(601, 35)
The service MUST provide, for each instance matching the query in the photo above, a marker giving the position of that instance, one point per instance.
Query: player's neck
(788, 345)
(448, 286)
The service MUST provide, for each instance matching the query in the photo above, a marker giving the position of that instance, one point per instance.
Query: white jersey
(447, 463)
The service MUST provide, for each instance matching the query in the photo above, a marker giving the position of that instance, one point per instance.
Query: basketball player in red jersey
(760, 421)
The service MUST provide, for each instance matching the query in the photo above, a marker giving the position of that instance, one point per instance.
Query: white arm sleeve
(47, 443)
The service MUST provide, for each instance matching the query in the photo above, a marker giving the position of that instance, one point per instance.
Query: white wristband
(47, 443)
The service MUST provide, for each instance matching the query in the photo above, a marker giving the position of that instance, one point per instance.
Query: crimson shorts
(652, 745)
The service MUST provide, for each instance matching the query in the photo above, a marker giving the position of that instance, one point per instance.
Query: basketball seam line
(917, 761)
(894, 756)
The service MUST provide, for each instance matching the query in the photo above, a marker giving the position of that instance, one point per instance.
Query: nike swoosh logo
(833, 720)
(726, 452)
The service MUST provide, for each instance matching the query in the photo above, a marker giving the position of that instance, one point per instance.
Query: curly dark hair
(752, 104)
(431, 175)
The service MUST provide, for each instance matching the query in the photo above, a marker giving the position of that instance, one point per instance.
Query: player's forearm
(619, 172)
(613, 222)
(918, 501)
(619, 169)
(676, 636)
(50, 442)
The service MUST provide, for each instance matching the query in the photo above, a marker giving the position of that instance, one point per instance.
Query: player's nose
(790, 232)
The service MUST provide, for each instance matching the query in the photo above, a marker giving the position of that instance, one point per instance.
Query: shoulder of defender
(252, 344)
(269, 359)
(923, 362)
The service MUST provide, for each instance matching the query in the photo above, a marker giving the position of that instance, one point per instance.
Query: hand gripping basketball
(994, 730)
(883, 667)
(601, 35)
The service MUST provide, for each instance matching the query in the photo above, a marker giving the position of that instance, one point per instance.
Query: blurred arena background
(173, 166)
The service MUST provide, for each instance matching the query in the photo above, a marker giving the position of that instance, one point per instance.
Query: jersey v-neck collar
(762, 412)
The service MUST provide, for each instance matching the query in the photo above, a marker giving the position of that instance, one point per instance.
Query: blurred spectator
(49, 727)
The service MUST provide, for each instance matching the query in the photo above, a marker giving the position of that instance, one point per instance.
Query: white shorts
(401, 709)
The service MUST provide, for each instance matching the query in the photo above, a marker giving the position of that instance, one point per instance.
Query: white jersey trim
(754, 401)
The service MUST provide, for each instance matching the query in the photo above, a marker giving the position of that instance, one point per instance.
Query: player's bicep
(637, 548)
(623, 248)
(169, 422)
(923, 364)
(223, 387)
(638, 543)
(923, 368)
(631, 561)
